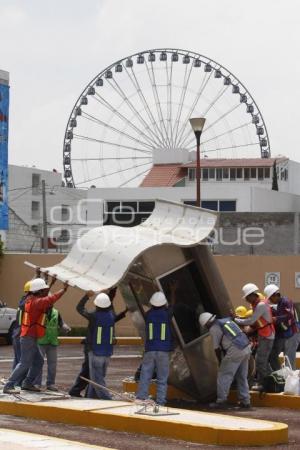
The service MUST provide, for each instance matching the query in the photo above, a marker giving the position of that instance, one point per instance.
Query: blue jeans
(98, 367)
(31, 359)
(50, 351)
(160, 362)
(17, 350)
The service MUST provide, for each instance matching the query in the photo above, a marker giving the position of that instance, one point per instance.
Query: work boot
(30, 387)
(11, 390)
(220, 405)
(242, 405)
(257, 387)
(52, 388)
(75, 394)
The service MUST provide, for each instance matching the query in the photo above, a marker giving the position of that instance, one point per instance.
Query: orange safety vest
(263, 327)
(30, 320)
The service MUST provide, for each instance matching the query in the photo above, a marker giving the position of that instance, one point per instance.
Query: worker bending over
(233, 351)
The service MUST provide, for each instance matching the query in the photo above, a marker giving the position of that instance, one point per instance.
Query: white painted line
(65, 358)
(19, 440)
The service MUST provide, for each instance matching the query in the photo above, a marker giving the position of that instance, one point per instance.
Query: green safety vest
(51, 334)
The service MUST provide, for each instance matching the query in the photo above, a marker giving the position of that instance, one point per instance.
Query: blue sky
(52, 49)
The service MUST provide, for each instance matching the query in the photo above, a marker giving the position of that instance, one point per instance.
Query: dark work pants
(79, 384)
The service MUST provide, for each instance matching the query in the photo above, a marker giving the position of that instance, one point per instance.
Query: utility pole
(45, 231)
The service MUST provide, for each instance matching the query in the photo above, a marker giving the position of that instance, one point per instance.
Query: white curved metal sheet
(102, 257)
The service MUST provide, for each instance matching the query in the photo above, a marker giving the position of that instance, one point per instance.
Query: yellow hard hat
(27, 286)
(241, 311)
(249, 313)
(261, 296)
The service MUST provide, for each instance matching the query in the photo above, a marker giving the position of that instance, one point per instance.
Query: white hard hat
(270, 290)
(248, 289)
(102, 300)
(158, 299)
(38, 284)
(206, 317)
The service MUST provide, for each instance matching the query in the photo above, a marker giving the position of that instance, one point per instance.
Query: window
(35, 228)
(35, 210)
(65, 213)
(219, 174)
(111, 206)
(267, 172)
(146, 206)
(129, 206)
(211, 174)
(226, 172)
(246, 173)
(239, 172)
(232, 174)
(191, 174)
(260, 173)
(205, 174)
(210, 204)
(253, 172)
(36, 178)
(190, 202)
(227, 205)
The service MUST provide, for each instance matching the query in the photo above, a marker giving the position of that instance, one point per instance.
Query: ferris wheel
(143, 103)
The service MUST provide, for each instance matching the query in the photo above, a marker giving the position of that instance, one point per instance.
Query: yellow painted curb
(134, 340)
(157, 426)
(297, 361)
(271, 400)
(172, 392)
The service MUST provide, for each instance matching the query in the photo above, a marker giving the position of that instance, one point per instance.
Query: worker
(99, 340)
(80, 384)
(263, 322)
(32, 328)
(286, 326)
(158, 345)
(17, 328)
(48, 347)
(232, 348)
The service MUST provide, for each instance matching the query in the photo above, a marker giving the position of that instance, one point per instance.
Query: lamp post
(197, 124)
(45, 231)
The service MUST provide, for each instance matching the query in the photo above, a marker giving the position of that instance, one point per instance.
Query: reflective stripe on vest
(228, 328)
(162, 331)
(150, 331)
(99, 335)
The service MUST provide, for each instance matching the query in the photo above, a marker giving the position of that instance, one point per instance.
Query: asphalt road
(124, 364)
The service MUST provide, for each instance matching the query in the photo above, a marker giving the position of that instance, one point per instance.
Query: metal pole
(45, 231)
(198, 198)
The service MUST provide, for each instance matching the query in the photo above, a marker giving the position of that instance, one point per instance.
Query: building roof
(164, 175)
(101, 258)
(236, 162)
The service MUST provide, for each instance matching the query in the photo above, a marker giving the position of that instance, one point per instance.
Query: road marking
(65, 358)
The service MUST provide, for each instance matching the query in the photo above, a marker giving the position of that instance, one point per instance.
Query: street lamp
(197, 124)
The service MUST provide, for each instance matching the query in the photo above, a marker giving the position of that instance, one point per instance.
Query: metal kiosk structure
(170, 252)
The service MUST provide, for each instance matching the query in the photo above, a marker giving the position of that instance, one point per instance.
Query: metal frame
(153, 134)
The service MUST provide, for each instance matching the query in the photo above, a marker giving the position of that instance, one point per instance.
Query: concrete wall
(276, 234)
(235, 270)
